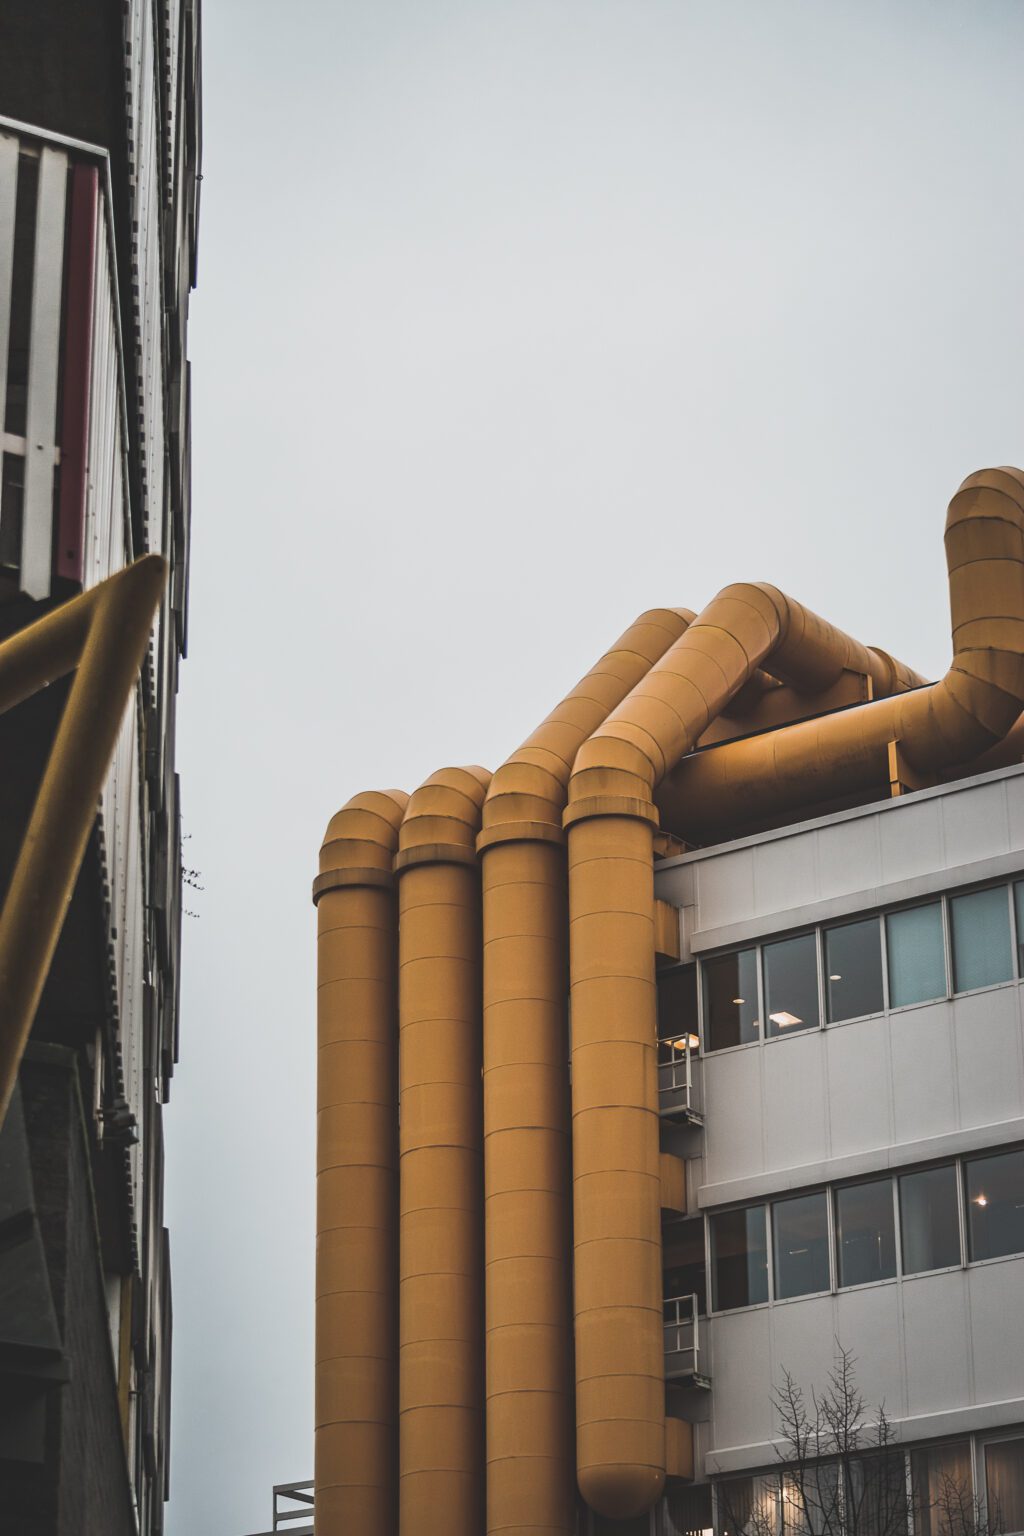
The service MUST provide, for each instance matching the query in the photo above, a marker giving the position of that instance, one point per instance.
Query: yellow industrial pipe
(530, 1464)
(357, 1145)
(441, 1430)
(620, 1413)
(965, 715)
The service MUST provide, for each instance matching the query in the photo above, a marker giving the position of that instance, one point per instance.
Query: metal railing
(286, 1496)
(682, 1336)
(676, 1087)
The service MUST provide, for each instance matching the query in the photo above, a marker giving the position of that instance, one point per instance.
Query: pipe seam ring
(521, 832)
(335, 879)
(434, 853)
(611, 805)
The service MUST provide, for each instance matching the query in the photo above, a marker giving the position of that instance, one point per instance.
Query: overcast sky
(517, 317)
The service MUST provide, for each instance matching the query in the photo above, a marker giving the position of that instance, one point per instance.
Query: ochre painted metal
(102, 636)
(530, 1463)
(441, 1424)
(356, 1425)
(620, 1414)
(965, 715)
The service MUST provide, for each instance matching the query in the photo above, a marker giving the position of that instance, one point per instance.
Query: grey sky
(517, 317)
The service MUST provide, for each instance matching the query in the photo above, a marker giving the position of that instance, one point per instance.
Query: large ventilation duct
(530, 1461)
(968, 713)
(441, 1429)
(620, 1422)
(357, 1144)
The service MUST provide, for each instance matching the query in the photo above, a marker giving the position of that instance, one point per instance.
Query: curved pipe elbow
(360, 841)
(442, 818)
(621, 1492)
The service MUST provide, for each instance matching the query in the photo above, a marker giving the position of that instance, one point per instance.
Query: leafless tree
(842, 1472)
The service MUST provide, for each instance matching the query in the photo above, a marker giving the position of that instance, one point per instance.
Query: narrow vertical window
(730, 1000)
(995, 1205)
(929, 1220)
(1004, 1484)
(748, 1506)
(917, 960)
(943, 1489)
(800, 1232)
(791, 984)
(739, 1258)
(865, 1232)
(853, 970)
(980, 923)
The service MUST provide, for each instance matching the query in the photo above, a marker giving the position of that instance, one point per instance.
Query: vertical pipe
(357, 1261)
(441, 1472)
(530, 1462)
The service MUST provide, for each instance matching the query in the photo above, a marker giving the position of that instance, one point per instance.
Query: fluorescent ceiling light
(784, 1019)
(835, 978)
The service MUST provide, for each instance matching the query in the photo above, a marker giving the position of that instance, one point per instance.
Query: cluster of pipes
(489, 1277)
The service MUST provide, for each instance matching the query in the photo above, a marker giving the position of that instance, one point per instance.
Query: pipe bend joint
(442, 818)
(360, 841)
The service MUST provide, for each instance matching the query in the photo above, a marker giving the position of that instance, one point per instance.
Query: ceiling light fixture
(784, 1019)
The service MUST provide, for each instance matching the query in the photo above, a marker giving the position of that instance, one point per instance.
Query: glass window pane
(800, 1228)
(917, 964)
(1004, 1481)
(865, 1235)
(687, 1511)
(730, 1000)
(1018, 902)
(748, 1506)
(739, 1257)
(877, 1495)
(677, 1004)
(943, 1489)
(810, 1500)
(791, 985)
(853, 970)
(929, 1221)
(980, 924)
(995, 1205)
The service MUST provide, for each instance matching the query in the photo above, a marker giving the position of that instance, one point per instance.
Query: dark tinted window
(876, 1492)
(995, 1205)
(677, 1005)
(853, 970)
(791, 985)
(980, 924)
(929, 1220)
(865, 1232)
(917, 955)
(1004, 1480)
(739, 1258)
(942, 1488)
(730, 1000)
(684, 1263)
(800, 1228)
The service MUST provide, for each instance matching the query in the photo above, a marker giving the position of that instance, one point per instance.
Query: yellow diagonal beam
(101, 636)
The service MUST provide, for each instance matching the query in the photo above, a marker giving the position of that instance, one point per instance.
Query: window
(677, 1005)
(810, 1500)
(800, 1227)
(876, 1494)
(748, 1506)
(730, 1000)
(917, 960)
(865, 1232)
(980, 925)
(929, 1219)
(685, 1267)
(686, 1511)
(995, 1205)
(1018, 903)
(1004, 1484)
(791, 984)
(853, 970)
(943, 1489)
(739, 1258)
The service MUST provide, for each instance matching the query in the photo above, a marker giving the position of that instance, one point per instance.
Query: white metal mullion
(9, 148)
(43, 367)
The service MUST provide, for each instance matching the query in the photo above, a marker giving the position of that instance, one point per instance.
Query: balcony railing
(679, 1097)
(682, 1340)
(292, 1502)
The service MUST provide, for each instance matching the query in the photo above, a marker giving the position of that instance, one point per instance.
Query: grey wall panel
(912, 842)
(995, 1293)
(803, 1343)
(987, 1043)
(976, 825)
(938, 1356)
(734, 1145)
(743, 1379)
(923, 1072)
(795, 1101)
(784, 873)
(849, 856)
(868, 1322)
(859, 1083)
(725, 889)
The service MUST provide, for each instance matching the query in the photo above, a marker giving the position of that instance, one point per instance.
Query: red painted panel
(74, 432)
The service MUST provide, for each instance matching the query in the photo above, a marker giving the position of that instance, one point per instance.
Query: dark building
(99, 194)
